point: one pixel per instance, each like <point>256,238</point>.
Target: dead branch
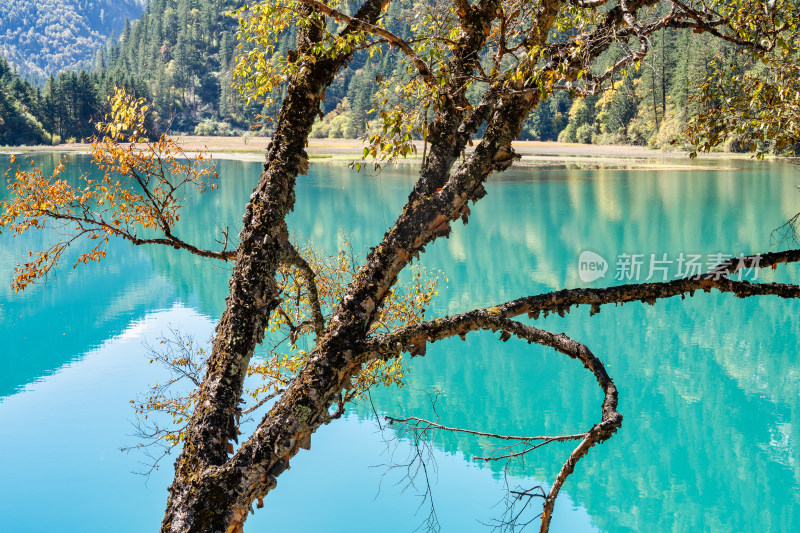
<point>414,338</point>
<point>428,424</point>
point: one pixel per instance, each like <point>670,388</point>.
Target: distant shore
<point>544,155</point>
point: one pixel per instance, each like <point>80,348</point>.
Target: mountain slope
<point>43,36</point>
<point>20,114</point>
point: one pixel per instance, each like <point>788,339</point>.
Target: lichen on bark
<point>213,489</point>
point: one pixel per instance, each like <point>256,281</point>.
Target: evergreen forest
<point>181,54</point>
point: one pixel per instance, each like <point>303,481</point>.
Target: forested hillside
<point>40,37</point>
<point>181,53</point>
<point>66,109</point>
<point>20,114</point>
<point>184,50</point>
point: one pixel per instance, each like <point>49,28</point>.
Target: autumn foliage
<point>135,191</point>
<point>289,338</point>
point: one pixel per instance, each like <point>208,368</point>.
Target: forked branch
<point>294,258</point>
<point>373,29</point>
<point>610,420</point>
<point>413,339</point>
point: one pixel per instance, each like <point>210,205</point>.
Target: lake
<point>708,385</point>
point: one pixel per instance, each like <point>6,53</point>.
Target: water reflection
<point>708,385</point>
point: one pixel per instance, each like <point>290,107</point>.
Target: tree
<point>21,114</point>
<point>751,102</point>
<point>513,55</point>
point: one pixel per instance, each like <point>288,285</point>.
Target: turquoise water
<point>708,386</point>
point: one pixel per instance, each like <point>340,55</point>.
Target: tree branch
<point>294,258</point>
<point>393,39</point>
<point>610,420</point>
<point>263,400</point>
<point>588,3</point>
<point>251,300</point>
<point>168,240</point>
<point>600,432</point>
<point>703,22</point>
<point>413,338</point>
<point>428,424</point>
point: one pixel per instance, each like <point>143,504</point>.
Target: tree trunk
<point>208,491</point>
<point>213,490</point>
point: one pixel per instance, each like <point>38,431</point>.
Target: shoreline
<point>535,154</point>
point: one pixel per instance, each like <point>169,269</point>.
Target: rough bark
<point>413,339</point>
<point>201,497</point>
<point>213,490</point>
<point>560,302</point>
